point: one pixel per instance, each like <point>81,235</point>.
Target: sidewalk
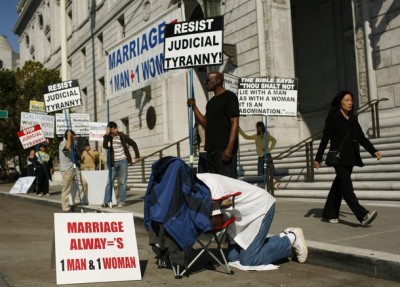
<point>373,251</point>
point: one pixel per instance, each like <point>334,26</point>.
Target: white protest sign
<point>79,124</point>
<point>22,185</point>
<point>62,96</point>
<point>95,247</point>
<point>273,96</point>
<point>231,83</point>
<point>137,61</point>
<point>97,131</point>
<point>46,122</point>
<point>31,136</point>
<point>194,43</point>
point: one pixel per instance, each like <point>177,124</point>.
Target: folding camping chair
<point>217,235</point>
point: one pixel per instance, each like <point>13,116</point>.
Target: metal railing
<point>308,142</point>
<point>160,155</point>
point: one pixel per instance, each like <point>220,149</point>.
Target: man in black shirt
<point>221,123</point>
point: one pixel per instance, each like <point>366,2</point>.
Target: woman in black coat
<point>339,122</point>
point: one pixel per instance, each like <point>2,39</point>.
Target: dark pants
<point>31,171</point>
<point>42,180</point>
<point>215,164</point>
<point>260,164</point>
<point>202,164</point>
<point>342,187</point>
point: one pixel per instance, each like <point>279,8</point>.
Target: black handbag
<point>333,156</point>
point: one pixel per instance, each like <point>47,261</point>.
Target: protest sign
<point>95,247</point>
<point>31,136</point>
<point>97,131</point>
<point>79,124</point>
<point>194,43</point>
<point>231,83</point>
<point>22,185</point>
<point>137,61</point>
<point>37,107</point>
<point>62,96</point>
<point>273,96</point>
<point>46,122</point>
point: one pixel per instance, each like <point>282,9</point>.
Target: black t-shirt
<point>219,111</point>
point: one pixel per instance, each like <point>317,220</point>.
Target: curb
<point>367,262</point>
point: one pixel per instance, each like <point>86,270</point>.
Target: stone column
<point>363,49</point>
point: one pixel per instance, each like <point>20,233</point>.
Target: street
<point>26,246</point>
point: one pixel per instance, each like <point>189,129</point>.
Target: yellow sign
<point>37,107</point>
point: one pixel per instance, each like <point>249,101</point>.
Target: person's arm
<point>199,116</point>
<point>232,138</point>
<point>106,139</point>
<point>133,144</point>
<point>365,143</point>
<point>271,142</point>
<point>68,142</point>
<point>327,134</point>
<point>246,136</point>
<point>216,214</point>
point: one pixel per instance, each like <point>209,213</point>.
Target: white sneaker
<point>299,245</point>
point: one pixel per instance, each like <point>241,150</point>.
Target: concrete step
<point>388,176</point>
<point>357,185</point>
<point>384,195</point>
<point>376,180</point>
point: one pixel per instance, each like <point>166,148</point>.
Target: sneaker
<point>47,194</point>
<point>299,245</point>
<point>334,220</point>
<point>104,205</point>
<point>121,204</point>
<point>369,218</point>
<point>40,194</point>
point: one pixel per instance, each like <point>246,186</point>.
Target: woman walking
<point>344,132</point>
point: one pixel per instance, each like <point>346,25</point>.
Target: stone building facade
<point>329,45</point>
<point>8,58</point>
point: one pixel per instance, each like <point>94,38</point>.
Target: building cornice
<point>29,8</point>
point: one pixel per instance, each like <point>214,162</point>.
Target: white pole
<point>261,38</point>
<point>63,52</point>
<point>63,42</point>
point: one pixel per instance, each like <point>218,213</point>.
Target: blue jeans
<point>120,170</point>
<point>262,250</point>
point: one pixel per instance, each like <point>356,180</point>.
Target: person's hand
<point>137,159</point>
<point>316,164</point>
<point>378,155</point>
<point>227,154</point>
<point>107,131</point>
<point>191,102</point>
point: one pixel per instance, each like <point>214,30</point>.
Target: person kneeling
<point>254,211</point>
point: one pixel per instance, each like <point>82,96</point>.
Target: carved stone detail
<point>359,44</point>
